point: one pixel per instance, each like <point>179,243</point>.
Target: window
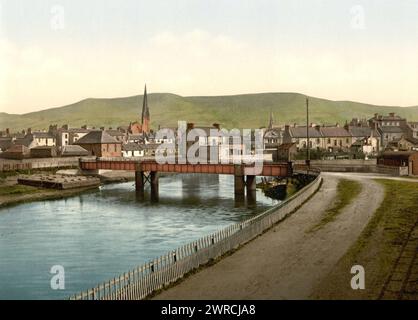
<point>329,141</point>
<point>317,141</point>
<point>335,142</point>
<point>346,140</point>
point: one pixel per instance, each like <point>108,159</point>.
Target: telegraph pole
<point>308,151</point>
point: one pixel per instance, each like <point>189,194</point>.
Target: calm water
<point>98,235</point>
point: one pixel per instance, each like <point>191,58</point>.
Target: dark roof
<point>26,141</point>
<point>17,149</point>
<point>387,118</point>
<point>132,147</point>
<point>391,129</point>
<point>335,132</point>
<point>97,137</point>
<point>74,150</point>
<point>42,135</point>
<point>5,143</point>
<point>360,131</point>
<point>300,132</point>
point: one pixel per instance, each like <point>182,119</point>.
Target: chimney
<point>65,127</point>
<point>375,115</point>
<point>217,126</point>
<point>7,132</point>
<point>294,125</point>
<point>29,130</point>
<point>392,114</point>
<point>102,128</point>
<point>84,127</point>
<point>318,127</point>
<point>190,126</point>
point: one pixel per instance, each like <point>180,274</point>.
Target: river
<point>105,232</point>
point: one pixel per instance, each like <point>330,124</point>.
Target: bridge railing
<point>144,280</point>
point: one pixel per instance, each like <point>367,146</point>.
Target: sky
<point>54,53</point>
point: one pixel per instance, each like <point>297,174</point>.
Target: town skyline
<point>358,50</point>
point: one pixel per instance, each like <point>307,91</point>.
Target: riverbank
<point>14,195</point>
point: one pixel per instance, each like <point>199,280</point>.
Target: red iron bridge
<point>148,170</point>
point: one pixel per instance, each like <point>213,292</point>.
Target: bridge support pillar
<point>251,186</point>
<point>239,182</point>
<point>139,181</point>
<point>154,185</point>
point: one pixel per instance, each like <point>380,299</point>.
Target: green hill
<point>240,111</point>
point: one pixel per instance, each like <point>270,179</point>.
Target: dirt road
<point>287,262</point>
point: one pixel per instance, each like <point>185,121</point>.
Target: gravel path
<point>287,262</point>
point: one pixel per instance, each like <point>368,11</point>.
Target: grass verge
<point>347,190</point>
<point>17,190</point>
<point>378,246</point>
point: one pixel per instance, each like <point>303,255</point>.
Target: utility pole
<point>308,151</point>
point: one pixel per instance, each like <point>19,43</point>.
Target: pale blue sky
<point>109,48</point>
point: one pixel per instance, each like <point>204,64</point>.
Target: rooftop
<point>97,137</point>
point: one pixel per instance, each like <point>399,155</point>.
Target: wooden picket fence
<point>144,280</point>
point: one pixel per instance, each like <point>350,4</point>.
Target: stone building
<point>365,139</point>
<point>100,144</point>
<point>391,128</point>
<point>298,135</point>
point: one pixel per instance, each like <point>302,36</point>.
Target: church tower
<point>145,114</point>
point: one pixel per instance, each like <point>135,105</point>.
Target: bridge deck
<point>282,169</point>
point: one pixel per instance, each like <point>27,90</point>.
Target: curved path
<point>287,262</point>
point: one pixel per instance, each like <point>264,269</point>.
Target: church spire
<point>271,120</point>
<point>145,113</point>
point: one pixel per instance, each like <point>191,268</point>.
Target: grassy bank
<point>379,245</point>
<point>17,190</point>
<point>347,190</point>
<point>19,196</point>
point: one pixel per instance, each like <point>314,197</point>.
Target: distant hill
<point>239,111</point>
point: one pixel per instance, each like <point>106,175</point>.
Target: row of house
<point>368,136</point>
